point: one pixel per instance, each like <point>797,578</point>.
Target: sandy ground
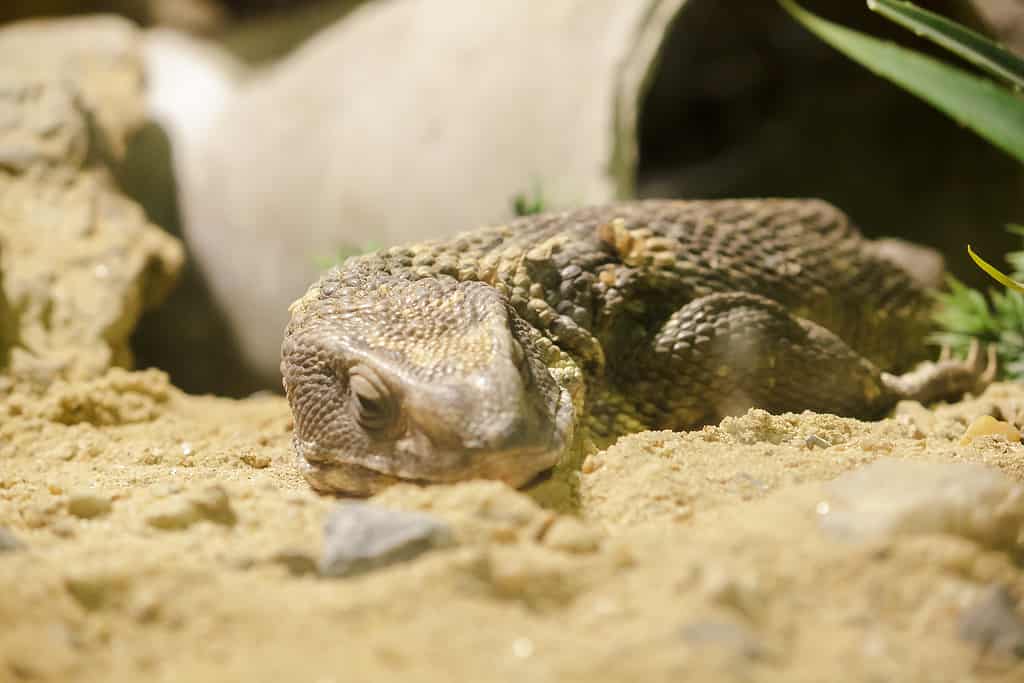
<point>154,536</point>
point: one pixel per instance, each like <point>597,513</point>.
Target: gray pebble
<point>814,440</point>
<point>993,622</point>
<point>733,637</point>
<point>9,542</point>
<point>361,537</point>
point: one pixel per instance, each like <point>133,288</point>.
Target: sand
<point>166,537</point>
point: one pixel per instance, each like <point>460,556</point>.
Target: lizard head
<point>434,380</point>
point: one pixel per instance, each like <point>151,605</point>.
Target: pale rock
<point>892,496</point>
<point>88,504</point>
<point>98,58</point>
<point>80,262</point>
<point>211,503</point>
<point>986,425</point>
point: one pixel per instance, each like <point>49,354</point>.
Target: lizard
<point>485,355</point>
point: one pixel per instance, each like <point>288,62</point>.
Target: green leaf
<point>957,38</point>
<point>994,113</point>
<point>964,311</point>
<point>529,205</point>
<point>995,273</point>
<point>1016,261</point>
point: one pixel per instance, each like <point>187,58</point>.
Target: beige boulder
<point>79,261</point>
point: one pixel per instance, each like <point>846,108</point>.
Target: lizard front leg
<point>724,353</point>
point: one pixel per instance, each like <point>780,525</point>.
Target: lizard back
<point>599,280</point>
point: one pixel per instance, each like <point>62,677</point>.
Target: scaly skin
<point>485,355</point>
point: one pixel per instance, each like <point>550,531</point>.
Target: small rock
<point>88,504</point>
<point>361,537</point>
<point>63,527</point>
<point>994,623</point>
<point>570,535</point>
<point>257,461</point>
<point>96,590</point>
<point>9,542</point>
<point>984,425</point>
<point>813,440</point>
<point>892,496</point>
<point>37,515</point>
<point>733,637</point>
<point>211,503</point>
<point>172,514</point>
<point>151,456</point>
<point>735,592</point>
<point>146,607</point>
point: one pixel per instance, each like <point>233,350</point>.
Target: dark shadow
<point>187,336</point>
<point>747,103</point>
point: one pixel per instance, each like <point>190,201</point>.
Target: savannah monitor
<point>483,356</point>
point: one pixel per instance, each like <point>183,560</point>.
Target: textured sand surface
<point>166,537</point>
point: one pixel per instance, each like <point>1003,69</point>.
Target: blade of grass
<point>957,38</point>
<point>993,113</point>
<point>994,272</point>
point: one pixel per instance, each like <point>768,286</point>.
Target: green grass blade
<point>957,38</point>
<point>992,112</point>
<point>994,272</point>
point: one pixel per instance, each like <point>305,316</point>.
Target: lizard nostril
<point>518,431</point>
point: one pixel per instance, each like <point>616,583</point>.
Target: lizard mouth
<point>335,475</point>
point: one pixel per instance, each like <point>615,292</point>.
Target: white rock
<point>892,496</point>
<point>406,120</point>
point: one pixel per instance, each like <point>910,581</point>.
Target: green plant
<point>325,261</point>
<point>965,314</point>
<point>527,205</point>
<point>993,111</point>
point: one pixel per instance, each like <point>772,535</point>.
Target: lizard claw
<point>945,353</point>
<point>986,367</point>
<point>947,378</point>
<point>973,353</point>
<point>991,366</point>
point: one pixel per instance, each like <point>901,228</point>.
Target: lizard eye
<point>371,400</point>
